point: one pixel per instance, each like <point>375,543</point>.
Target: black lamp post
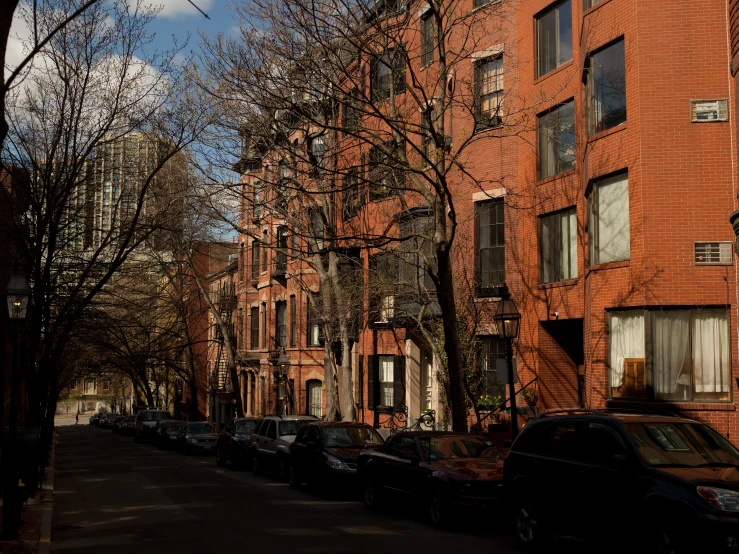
<point>17,294</point>
<point>507,318</point>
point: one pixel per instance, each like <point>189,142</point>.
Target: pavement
<point>113,496</point>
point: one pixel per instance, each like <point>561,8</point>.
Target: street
<point>113,495</point>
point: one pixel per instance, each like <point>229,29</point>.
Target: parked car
<point>199,436</point>
<point>146,421</point>
<point>668,483</point>
<point>271,442</point>
<point>168,433</point>
<point>443,470</point>
<point>234,442</point>
<point>106,420</point>
<point>325,454</point>
<point>94,419</point>
<point>130,428</point>
<point>119,424</point>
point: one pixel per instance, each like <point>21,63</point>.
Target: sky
<point>177,18</point>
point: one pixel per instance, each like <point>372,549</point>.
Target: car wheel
<point>293,477</point>
<point>283,468</point>
<point>256,464</point>
<point>529,529</point>
<point>372,494</point>
<point>437,509</point>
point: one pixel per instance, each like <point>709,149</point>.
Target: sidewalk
<point>35,529</point>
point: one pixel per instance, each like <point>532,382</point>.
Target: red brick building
<point>600,196</point>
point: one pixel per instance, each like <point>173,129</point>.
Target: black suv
<point>666,483</point>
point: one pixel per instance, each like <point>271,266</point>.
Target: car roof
<point>625,415</point>
<point>435,434</point>
<point>291,417</point>
<point>341,424</point>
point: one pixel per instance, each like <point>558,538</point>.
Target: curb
<point>44,542</point>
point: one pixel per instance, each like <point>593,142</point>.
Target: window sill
<point>559,284</point>
<point>559,69</point>
<point>607,133</point>
<point>562,175</point>
<point>611,265</point>
<point>593,8</point>
<point>482,129</point>
<point>718,406</point>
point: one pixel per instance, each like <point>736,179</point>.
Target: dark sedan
<point>200,436</point>
<point>119,424</point>
<point>168,433</point>
<point>325,454</point>
<point>234,443</point>
<point>442,470</point>
<point>130,428</point>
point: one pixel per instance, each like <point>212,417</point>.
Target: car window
<point>532,437</point>
<point>350,437</point>
<point>247,426</point>
<point>289,427</point>
<point>300,438</point>
<point>564,440</point>
<point>449,447</point>
<point>601,443</point>
<point>403,447</point>
<point>197,428</point>
<point>261,427</point>
<point>313,435</point>
<point>271,432</point>
<point>155,416</point>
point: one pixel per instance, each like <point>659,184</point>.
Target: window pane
<point>613,239</point>
<point>671,355</point>
<point>710,340</point>
<point>627,353</point>
<point>387,374</point>
<point>554,38</point>
<point>557,140</point>
<point>558,243</point>
<point>607,80</point>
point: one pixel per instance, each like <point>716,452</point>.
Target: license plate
<point>208,446</point>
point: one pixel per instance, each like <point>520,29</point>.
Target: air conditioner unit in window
<point>713,253</point>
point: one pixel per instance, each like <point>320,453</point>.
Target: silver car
<point>146,423</point>
<point>271,442</point>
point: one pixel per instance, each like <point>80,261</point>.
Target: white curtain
<point>387,375</point>
<point>627,341</point>
<point>613,219</point>
<point>569,245</point>
<point>671,354</point>
<point>711,351</point>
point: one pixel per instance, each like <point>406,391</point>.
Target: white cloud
<point>183,8</point>
<point>16,52</point>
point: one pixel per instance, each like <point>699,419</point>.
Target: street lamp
<point>507,319</point>
<point>17,294</point>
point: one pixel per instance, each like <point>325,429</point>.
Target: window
<point>90,387</point>
<point>386,171</point>
<point>690,357</point>
<point>258,201</point>
<point>265,242</point>
<point>254,322</point>
<point>490,246</point>
<point>317,230</point>
<point>489,92</point>
<point>383,284</point>
<point>255,260</point>
<point>315,333</point>
<point>587,4</point>
<point>264,325</point>
<point>317,148</point>
<point>428,144</point>
<point>608,228</point>
<point>480,3</point>
<point>315,399</point>
<point>713,253</point>
<point>415,252</point>
<point>427,37</point>
<point>492,349</point>
<point>281,324</point>
<point>242,262</point>
<point>387,380</point>
<point>350,113</point>
<point>351,198</point>
<point>702,111</point>
<point>557,140</point>
<point>606,88</point>
<point>403,447</point>
<point>554,38</point>
<point>106,384</point>
<point>558,246</point>
<point>386,69</point>
<point>281,257</point>
<point>293,322</point>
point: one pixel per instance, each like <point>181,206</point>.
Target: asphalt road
<point>115,496</point>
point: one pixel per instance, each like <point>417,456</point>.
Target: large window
<point>556,130</point>
<point>352,197</point>
<point>350,113</point>
<point>558,246</point>
<point>415,252</point>
<point>386,174</point>
<point>314,322</point>
<point>314,392</point>
<point>281,256</point>
<point>387,381</point>
<point>689,355</point>
<point>281,324</point>
<point>608,228</point>
<point>492,349</point>
<point>386,69</point>
<point>489,92</point>
<point>427,38</point>
<point>265,242</point>
<point>254,322</point>
<point>554,38</point>
<point>264,325</point>
<point>490,246</point>
<point>606,88</point>
<point>293,321</point>
<point>317,148</point>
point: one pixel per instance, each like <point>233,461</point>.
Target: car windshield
<point>668,444</point>
<point>289,427</point>
<point>348,437</point>
<point>245,426</point>
<point>196,428</point>
<point>156,416</point>
<point>443,448</point>
<point>175,426</point>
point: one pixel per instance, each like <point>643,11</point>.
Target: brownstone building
<point>605,214</point>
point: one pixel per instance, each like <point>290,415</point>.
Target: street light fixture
<point>17,293</point>
<point>507,318</point>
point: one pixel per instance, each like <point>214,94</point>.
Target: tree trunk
<point>452,345</point>
<point>346,391</point>
<point>329,377</point>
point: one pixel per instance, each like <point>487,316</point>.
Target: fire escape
<point>225,301</point>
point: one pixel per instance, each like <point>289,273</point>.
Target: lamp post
<point>507,318</point>
<point>17,294</point>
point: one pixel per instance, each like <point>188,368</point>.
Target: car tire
<point>530,528</point>
<point>256,464</point>
<point>293,477</point>
<point>438,509</point>
<point>373,493</point>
